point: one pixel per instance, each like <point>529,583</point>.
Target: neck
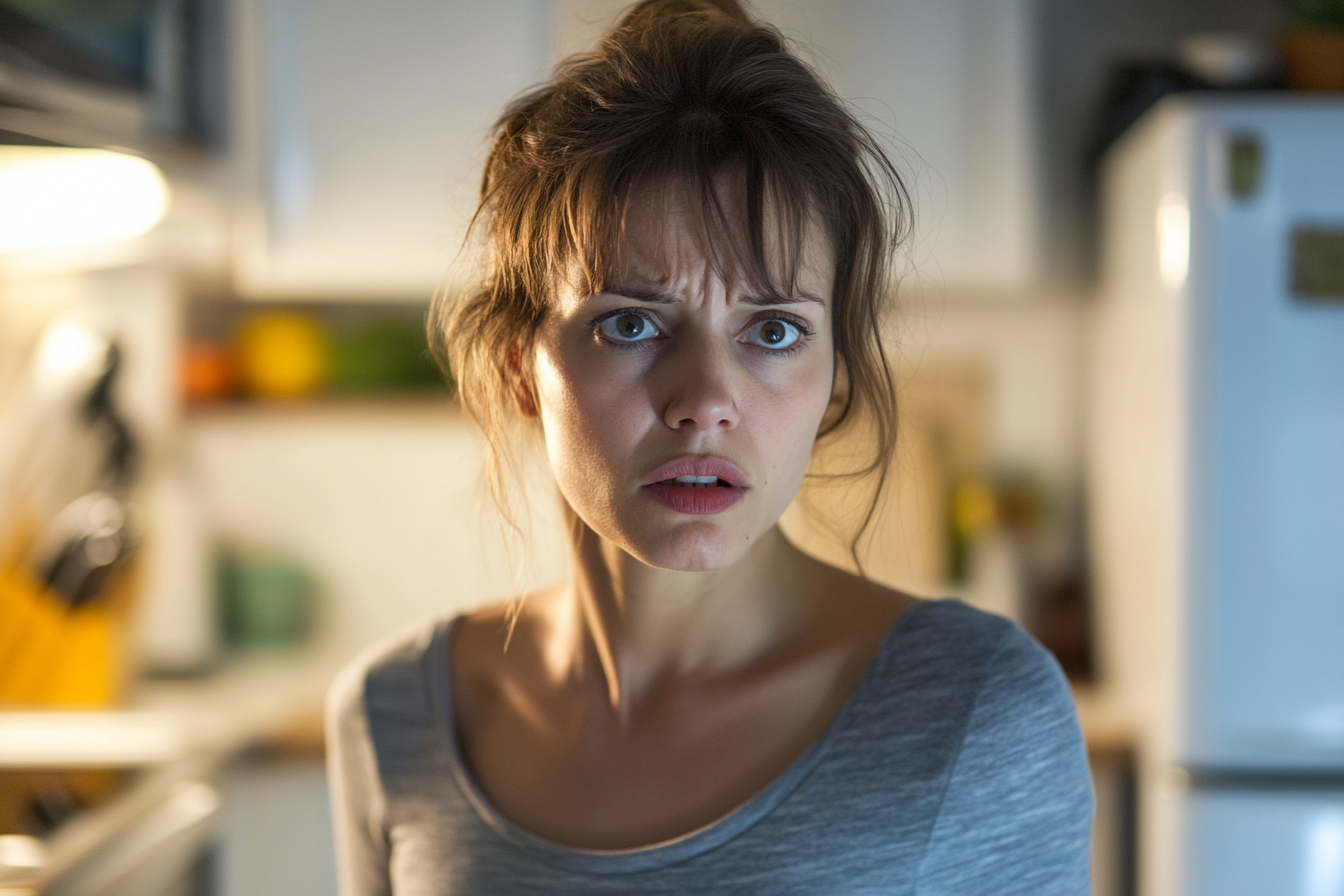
<point>633,628</point>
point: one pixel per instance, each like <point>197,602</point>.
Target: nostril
<point>718,420</point>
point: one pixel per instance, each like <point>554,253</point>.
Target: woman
<point>688,239</point>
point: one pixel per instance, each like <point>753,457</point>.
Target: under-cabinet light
<point>53,196</point>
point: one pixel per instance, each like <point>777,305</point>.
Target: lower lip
<point>699,500</point>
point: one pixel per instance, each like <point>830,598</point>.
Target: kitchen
<point>317,205</point>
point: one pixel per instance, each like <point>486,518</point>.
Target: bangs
<point>738,129</point>
<point>751,223</point>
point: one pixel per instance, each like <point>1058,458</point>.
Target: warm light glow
<point>1173,240</point>
<point>58,197</point>
<point>195,799</point>
<point>18,851</point>
<point>88,738</point>
<point>67,347</point>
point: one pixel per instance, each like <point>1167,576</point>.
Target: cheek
<point>589,411</point>
<point>785,421</point>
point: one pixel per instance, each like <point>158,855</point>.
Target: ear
<point>523,395</point>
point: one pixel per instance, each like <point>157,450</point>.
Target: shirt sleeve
<point>1016,817</point>
<point>357,801</point>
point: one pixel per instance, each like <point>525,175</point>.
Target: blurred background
<point>228,463</point>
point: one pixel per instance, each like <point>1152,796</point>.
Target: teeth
<point>697,480</point>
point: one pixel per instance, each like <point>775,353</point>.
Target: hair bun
<point>640,13</point>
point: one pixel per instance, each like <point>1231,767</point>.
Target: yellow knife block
<point>54,656</point>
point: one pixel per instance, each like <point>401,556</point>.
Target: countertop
<point>248,700</point>
<point>173,738</point>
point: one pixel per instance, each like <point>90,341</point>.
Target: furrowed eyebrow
<point>776,298</point>
<point>657,297</point>
<point>642,293</point>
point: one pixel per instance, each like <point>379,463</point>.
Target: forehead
<point>673,229</point>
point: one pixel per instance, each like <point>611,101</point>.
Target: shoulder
<point>940,656</point>
<point>1018,802</point>
<point>952,687</point>
<point>1013,689</point>
<point>379,714</point>
<point>1020,694</point>
<point>1017,673</point>
<point>951,625</point>
<point>390,681</point>
<point>957,647</point>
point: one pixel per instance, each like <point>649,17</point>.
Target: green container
<point>267,600</point>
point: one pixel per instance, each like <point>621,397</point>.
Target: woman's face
<point>680,405</point>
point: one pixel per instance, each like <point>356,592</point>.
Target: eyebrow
<point>658,297</point>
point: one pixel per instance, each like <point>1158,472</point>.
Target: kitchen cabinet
<point>362,128</point>
<point>274,835</point>
<point>948,87</point>
<point>359,133</point>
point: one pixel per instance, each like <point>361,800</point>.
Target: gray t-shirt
<point>955,768</point>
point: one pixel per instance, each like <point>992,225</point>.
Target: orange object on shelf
<point>282,356</point>
<point>208,371</point>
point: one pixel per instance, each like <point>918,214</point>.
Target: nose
<point>698,386</point>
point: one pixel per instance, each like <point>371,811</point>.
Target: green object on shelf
<point>386,354</point>
<point>267,599</point>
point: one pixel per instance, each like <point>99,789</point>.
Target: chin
<point>693,547</point>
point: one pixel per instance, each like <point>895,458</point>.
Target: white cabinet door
<point>365,126</point>
<point>949,87</point>
<point>274,833</point>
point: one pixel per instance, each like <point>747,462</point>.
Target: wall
<point>385,503</point>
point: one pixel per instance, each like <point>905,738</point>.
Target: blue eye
<point>627,327</point>
<point>775,333</point>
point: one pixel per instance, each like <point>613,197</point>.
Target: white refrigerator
<point>1216,488</point>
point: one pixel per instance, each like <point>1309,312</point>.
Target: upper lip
<point>699,465</point>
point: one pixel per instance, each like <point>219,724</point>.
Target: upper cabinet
<point>363,127</point>
<point>948,86</point>
<point>360,133</point>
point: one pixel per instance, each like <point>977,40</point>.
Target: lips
<point>697,497</point>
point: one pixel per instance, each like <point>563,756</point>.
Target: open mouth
<point>698,491</point>
<point>697,482</point>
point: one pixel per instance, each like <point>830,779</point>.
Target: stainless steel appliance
<point>153,836</point>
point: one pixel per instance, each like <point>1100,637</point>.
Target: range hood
<point>162,94</point>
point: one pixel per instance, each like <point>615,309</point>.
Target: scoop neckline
<point>666,852</point>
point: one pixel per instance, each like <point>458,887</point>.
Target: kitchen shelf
<point>438,404</point>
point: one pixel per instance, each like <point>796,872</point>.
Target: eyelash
<point>805,332</point>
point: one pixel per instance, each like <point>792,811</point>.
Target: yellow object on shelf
<point>54,655</point>
<point>973,508</point>
<point>282,356</point>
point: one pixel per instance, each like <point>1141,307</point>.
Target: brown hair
<point>680,91</point>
